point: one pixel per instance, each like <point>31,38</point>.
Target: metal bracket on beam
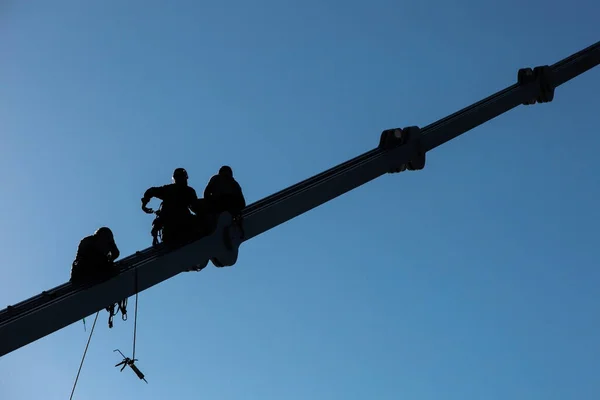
<point>543,78</point>
<point>409,136</point>
<point>232,235</point>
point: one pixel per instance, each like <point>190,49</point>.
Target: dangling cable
<point>84,354</point>
<point>135,314</point>
<point>126,360</point>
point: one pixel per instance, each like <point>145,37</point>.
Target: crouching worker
<point>95,257</point>
<point>223,193</point>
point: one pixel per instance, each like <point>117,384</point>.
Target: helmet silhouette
<point>104,233</point>
<point>226,170</point>
<point>180,175</point>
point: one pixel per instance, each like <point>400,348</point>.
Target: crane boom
<point>398,150</point>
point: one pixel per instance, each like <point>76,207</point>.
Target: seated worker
<point>223,193</point>
<point>95,257</point>
<point>177,198</point>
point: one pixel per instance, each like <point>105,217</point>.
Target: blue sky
<point>475,278</point>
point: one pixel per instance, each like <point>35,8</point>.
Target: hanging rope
<point>126,360</point>
<point>84,354</point>
<point>135,318</point>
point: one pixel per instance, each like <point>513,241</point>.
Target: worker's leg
<point>204,221</point>
<point>177,230</point>
<point>157,226</point>
<point>232,204</point>
<point>82,272</point>
<point>77,273</point>
<point>200,207</point>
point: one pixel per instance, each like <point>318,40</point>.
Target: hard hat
<point>104,232</point>
<point>180,173</point>
<point>226,170</point>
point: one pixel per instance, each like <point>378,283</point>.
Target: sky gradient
<point>476,278</point>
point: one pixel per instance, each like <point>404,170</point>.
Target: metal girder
<point>399,149</point>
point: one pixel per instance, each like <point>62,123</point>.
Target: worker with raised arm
<point>223,193</point>
<point>95,257</point>
<point>177,198</point>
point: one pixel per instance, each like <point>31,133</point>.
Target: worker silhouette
<point>174,217</point>
<point>95,257</point>
<point>223,193</point>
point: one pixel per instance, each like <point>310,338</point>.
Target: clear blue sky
<point>476,278</point>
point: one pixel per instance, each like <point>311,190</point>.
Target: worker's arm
<point>241,195</point>
<point>210,187</point>
<point>85,248</point>
<point>192,198</point>
<point>158,192</point>
<point>114,251</point>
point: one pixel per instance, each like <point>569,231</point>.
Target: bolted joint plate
<point>229,235</point>
<point>407,137</point>
<point>391,138</point>
<point>543,84</point>
<point>221,247</point>
<point>413,140</point>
